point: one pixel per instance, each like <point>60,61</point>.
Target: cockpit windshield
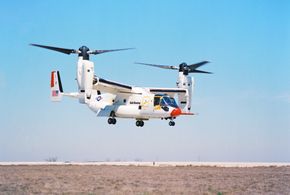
<point>165,100</point>
<point>173,103</point>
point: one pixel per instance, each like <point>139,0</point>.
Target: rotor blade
<point>62,50</point>
<point>108,50</point>
<point>200,71</point>
<point>158,66</point>
<point>196,65</point>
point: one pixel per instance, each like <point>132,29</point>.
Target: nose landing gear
<point>171,123</point>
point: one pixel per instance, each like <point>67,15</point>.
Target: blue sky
<point>244,107</point>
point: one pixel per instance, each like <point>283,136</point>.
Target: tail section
<point>56,90</point>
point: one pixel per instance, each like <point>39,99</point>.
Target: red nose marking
<point>176,112</point>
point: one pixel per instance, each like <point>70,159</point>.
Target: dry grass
<point>90,179</point>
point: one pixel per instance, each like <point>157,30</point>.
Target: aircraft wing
<point>104,85</point>
<point>170,91</point>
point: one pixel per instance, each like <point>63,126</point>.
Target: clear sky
<point>244,107</point>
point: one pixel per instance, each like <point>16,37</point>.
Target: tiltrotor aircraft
<point>116,100</point>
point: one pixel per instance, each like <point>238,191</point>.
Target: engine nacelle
<point>185,82</point>
<point>85,77</point>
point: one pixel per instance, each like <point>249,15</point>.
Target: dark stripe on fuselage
<point>115,84</point>
<point>130,93</point>
<point>168,90</point>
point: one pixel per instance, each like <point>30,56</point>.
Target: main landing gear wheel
<point>171,123</point>
<point>112,121</point>
<point>139,123</point>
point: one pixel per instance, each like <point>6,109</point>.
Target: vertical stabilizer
<point>56,90</point>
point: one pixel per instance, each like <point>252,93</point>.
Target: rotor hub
<point>183,67</point>
<point>84,52</point>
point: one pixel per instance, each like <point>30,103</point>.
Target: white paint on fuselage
<point>139,104</point>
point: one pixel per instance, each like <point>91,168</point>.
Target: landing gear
<point>112,121</point>
<point>139,123</point>
<point>171,123</point>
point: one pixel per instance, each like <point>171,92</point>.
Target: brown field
<point>106,179</point>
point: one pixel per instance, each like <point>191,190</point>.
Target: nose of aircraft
<point>175,112</point>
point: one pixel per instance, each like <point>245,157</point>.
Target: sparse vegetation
<point>51,159</point>
<point>105,179</point>
<point>138,160</point>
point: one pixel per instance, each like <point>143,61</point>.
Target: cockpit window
<point>165,101</point>
<point>173,102</point>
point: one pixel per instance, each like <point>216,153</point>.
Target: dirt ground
<point>105,179</point>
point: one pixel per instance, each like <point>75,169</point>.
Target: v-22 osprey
<point>114,100</point>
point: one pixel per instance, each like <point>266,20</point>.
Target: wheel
<point>141,123</point>
<point>171,123</point>
<point>114,121</point>
<point>110,120</point>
